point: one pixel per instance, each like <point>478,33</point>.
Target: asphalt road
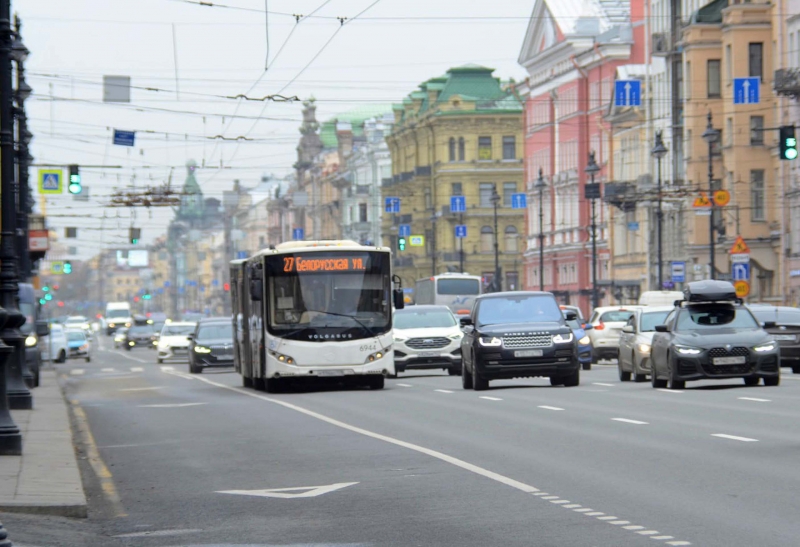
<point>425,463</point>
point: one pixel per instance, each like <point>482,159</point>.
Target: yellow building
<point>457,135</point>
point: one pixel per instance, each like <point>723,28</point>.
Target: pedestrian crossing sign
<point>51,181</point>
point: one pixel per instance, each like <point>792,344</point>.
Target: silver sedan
<point>636,341</point>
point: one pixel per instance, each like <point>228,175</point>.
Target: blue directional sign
<point>519,201</point>
<point>392,205</point>
<point>740,271</point>
<point>461,231</point>
<point>124,138</point>
<point>628,93</point>
<point>298,234</point>
<point>633,226</point>
<point>678,272</point>
<point>404,230</point>
<point>747,90</point>
<point>458,204</point>
<point>241,254</point>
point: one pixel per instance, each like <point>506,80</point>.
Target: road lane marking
<point>621,522</point>
<point>159,533</point>
<point>456,462</point>
<point>594,514</point>
<point>173,405</point>
<point>550,498</point>
<point>540,494</point>
<point>647,532</point>
<point>559,502</point>
<point>662,537</point>
<point>734,438</point>
<point>670,390</point>
<point>166,368</point>
<point>137,369</point>
<point>131,357</point>
<point>678,543</point>
<point>756,399</point>
<point>443,391</point>
<point>404,385</point>
<point>291,493</point>
<point>490,398</point>
<point>601,384</point>
<point>627,421</point>
<point>107,369</point>
<point>583,510</point>
<point>550,407</point>
<point>142,388</point>
<point>77,371</point>
<point>573,506</point>
<point>607,518</point>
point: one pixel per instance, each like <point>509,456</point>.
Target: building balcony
<point>787,82</point>
<point>620,195</point>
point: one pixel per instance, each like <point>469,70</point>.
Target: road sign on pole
<point>741,271</point>
<point>51,181</point>
<point>461,231</point>
<point>740,246</point>
<point>416,241</point>
<point>124,138</point>
<point>458,204</point>
<point>519,201</point>
<point>392,205</point>
<point>404,230</point>
<point>747,90</point>
<point>628,93</point>
<point>742,288</point>
<point>678,270</point>
<point>298,234</point>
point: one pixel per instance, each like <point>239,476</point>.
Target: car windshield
<point>423,319</point>
<point>616,316</point>
<point>519,309</point>
<point>177,330</point>
<point>117,314</point>
<point>215,332</point>
<point>780,316</point>
<point>73,336</point>
<point>140,330</point>
<point>650,320</point>
<point>709,317</point>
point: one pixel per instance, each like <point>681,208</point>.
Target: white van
<point>118,314</point>
<point>659,298</point>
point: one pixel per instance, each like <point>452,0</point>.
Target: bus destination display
<point>310,264</point>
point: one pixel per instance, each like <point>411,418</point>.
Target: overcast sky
<point>194,56</point>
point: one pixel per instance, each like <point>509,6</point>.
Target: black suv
<point>711,335</point>
<point>518,335</point>
<point>211,344</point>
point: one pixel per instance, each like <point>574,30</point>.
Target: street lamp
<point>540,186</point>
<point>593,193</point>
<point>433,242</point>
<point>710,135</point>
<point>498,284</point>
<point>658,152</point>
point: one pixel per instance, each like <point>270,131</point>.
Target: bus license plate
<point>738,360</point>
<point>330,373</point>
<point>529,353</point>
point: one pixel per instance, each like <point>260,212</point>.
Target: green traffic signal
<point>67,267</point>
<point>48,296</point>
<point>146,296</point>
<point>42,301</point>
<point>401,243</point>
<point>74,180</point>
<point>787,142</point>
<point>45,288</point>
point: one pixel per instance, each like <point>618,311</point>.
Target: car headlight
<point>112,324</point>
<point>494,341</point>
<point>688,351</point>
<point>769,346</point>
<point>289,360</point>
<point>563,338</point>
<point>84,347</point>
<point>131,343</point>
<point>127,324</point>
<point>31,340</point>
<point>644,348</point>
<point>585,341</point>
<point>202,349</point>
<point>86,326</point>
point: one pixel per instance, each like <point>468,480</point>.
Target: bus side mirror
<point>256,292</point>
<point>42,328</point>
<point>398,300</point>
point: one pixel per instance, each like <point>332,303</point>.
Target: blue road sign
<point>628,93</point>
<point>461,231</point>
<point>519,201</point>
<point>458,204</point>
<point>740,271</point>
<point>404,230</point>
<point>633,226</point>
<point>298,234</point>
<point>241,254</point>
<point>678,270</point>
<point>392,205</point>
<point>124,138</point>
<point>747,90</point>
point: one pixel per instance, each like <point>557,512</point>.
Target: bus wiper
<point>354,318</point>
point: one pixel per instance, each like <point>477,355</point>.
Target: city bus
<point>312,309</point>
<point>457,291</point>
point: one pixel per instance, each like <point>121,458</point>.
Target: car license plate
<point>224,357</point>
<point>429,354</point>
<point>738,360</point>
<point>784,337</point>
<point>529,353</point>
<point>330,373</point>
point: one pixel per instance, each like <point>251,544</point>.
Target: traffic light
<point>67,267</point>
<point>48,296</point>
<point>45,288</point>
<point>146,296</point>
<point>226,286</point>
<point>134,234</point>
<point>401,243</point>
<point>788,142</point>
<point>74,180</point>
<point>42,301</point>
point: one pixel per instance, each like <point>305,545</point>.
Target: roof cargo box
<point>709,291</point>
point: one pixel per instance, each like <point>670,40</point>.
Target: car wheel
<point>375,382</point>
<point>677,384</point>
<point>479,383</point>
<point>556,381</point>
<point>159,360</point>
<point>573,379</point>
<point>466,378</point>
<point>751,380</point>
<point>624,375</point>
<point>772,381</point>
<point>88,359</point>
<point>654,380</point>
<point>62,356</point>
<point>36,379</point>
<point>127,348</point>
<point>194,369</point>
<point>639,378</point>
<point>259,384</point>
<point>454,371</point>
<point>587,366</point>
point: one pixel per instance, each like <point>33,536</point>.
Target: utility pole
<point>591,169</point>
<point>710,135</point>
<point>658,152</point>
<point>497,282</point>
<point>540,185</point>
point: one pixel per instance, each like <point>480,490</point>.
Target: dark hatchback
<point>711,335</point>
<point>518,335</point>
<point>138,336</point>
<point>211,345</point>
<point>783,323</point>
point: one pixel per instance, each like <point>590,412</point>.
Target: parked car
<point>119,336</point>
<point>173,343</point>
<point>784,326</point>
<point>138,336</point>
<point>636,341</point>
<point>516,335</point>
<point>607,323</point>
<point>711,335</point>
<point>79,345</point>
<point>211,344</point>
<point>54,346</point>
<point>427,337</point>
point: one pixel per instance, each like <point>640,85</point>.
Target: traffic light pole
<point>461,245</point>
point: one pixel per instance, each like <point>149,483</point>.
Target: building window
<point>512,281</point>
<point>452,149</point>
<point>461,149</point>
<point>756,59</point>
<point>485,193</point>
<point>509,189</point>
<point>729,131</point>
<point>509,148</point>
<point>756,130</point>
<point>728,63</point>
<point>487,239</point>
<point>757,194</point>
<point>713,78</point>
<point>456,189</point>
<point>484,148</point>
<point>512,239</point>
<point>362,212</point>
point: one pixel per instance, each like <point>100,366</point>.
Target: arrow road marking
<point>291,493</point>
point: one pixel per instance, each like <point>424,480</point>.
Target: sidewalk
<point>46,478</point>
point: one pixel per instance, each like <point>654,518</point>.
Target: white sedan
<point>636,341</point>
<point>173,343</point>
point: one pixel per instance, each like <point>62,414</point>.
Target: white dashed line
<point>670,390</point>
<point>594,514</point>
<point>550,497</point>
<point>627,421</point>
<point>662,537</point>
<point>404,385</point>
<point>137,369</point>
<point>559,502</point>
<point>678,543</point>
<point>583,510</point>
<point>647,532</point>
<point>443,391</point>
<point>167,368</point>
<point>142,388</point>
<point>550,407</point>
<point>607,518</point>
<point>734,438</point>
<point>106,370</point>
<point>600,384</point>
<point>490,398</point>
<point>77,371</point>
<point>175,405</point>
<point>756,399</point>
<point>621,522</point>
<point>573,506</point>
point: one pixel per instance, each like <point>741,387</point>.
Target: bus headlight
<point>283,358</point>
<point>31,340</point>
<point>201,349</point>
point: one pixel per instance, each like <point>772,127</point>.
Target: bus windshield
<point>459,286</point>
<point>329,295</point>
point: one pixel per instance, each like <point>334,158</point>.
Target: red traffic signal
<point>60,304</point>
<point>226,286</point>
<point>135,298</point>
<point>55,287</point>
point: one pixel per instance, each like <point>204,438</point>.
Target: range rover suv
<point>518,335</point>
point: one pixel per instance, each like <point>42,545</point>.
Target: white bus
<point>457,291</point>
<point>315,309</point>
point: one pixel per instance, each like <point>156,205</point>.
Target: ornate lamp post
<point>497,282</point>
<point>591,169</point>
<point>658,152</point>
<point>540,186</point>
<point>710,135</point>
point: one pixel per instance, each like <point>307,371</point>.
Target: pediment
<point>542,34</point>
